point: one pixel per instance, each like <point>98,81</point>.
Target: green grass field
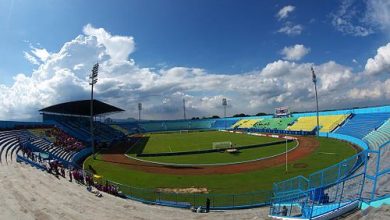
<point>173,142</point>
<point>228,183</point>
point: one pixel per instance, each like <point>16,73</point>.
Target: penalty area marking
<point>215,164</point>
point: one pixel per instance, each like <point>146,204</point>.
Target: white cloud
<point>42,54</point>
<point>30,58</point>
<point>380,63</point>
<point>63,76</point>
<point>117,47</point>
<point>378,14</point>
<point>362,18</point>
<point>296,52</point>
<point>291,29</point>
<point>285,11</point>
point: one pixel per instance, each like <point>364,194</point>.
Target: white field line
<point>215,164</point>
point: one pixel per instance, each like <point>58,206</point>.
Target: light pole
<point>93,80</point>
<point>139,111</point>
<point>224,104</point>
<point>315,87</point>
<point>184,108</point>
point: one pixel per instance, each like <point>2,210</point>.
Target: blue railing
<point>319,201</point>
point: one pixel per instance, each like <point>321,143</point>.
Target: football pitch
<point>227,183</point>
<point>156,143</point>
<point>176,142</point>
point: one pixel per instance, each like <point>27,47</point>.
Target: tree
<point>215,116</point>
<point>240,115</point>
<point>261,114</point>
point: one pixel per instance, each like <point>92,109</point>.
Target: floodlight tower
<point>315,87</point>
<point>93,80</point>
<point>139,111</point>
<point>184,109</point>
<point>224,104</point>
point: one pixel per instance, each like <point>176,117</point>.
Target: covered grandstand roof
<point>81,108</point>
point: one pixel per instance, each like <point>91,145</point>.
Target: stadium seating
<point>9,144</point>
<point>127,128</point>
<point>153,126</point>
<point>327,123</point>
<point>362,124</point>
<point>200,124</point>
<point>378,137</point>
<point>79,127</point>
<point>224,123</point>
<point>330,122</point>
<point>245,123</point>
<point>275,123</point>
<point>175,125</point>
<point>47,147</point>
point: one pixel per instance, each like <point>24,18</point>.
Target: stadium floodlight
<point>184,109</point>
<point>315,87</point>
<point>139,111</point>
<point>93,80</point>
<point>224,104</point>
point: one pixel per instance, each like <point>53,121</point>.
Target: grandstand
<point>275,123</point>
<point>9,144</point>
<point>224,123</point>
<point>359,125</point>
<point>73,118</point>
<point>379,136</point>
<point>327,123</point>
<point>245,123</point>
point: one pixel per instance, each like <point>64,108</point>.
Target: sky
<point>256,54</point>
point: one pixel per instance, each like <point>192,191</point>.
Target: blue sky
<point>219,38</point>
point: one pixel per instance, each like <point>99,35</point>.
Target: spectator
<point>284,211</point>
<point>207,205</point>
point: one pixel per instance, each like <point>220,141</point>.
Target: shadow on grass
<point>138,164</point>
<point>134,145</point>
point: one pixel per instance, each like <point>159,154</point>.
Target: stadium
<point>279,161</point>
<point>175,109</point>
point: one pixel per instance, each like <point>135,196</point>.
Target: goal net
<point>224,144</point>
<point>184,131</point>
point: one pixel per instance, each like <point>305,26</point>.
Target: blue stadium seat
<point>362,124</point>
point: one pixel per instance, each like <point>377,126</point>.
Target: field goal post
<point>222,144</point>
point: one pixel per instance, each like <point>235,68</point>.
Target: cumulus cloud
<point>296,52</point>
<point>63,76</point>
<point>117,47</point>
<point>378,14</point>
<point>42,54</point>
<point>32,59</point>
<point>361,19</point>
<point>285,11</point>
<point>380,63</point>
<point>291,29</point>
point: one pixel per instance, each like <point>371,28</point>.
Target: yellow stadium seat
<point>327,123</point>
